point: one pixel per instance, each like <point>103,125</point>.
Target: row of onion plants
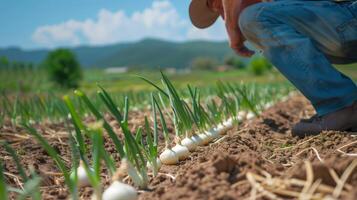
<point>49,107</point>
<point>196,121</point>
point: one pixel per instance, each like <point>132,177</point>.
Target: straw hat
<point>201,15</point>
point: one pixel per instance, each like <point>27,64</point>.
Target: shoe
<point>341,120</point>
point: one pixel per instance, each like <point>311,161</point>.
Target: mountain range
<point>150,53</point>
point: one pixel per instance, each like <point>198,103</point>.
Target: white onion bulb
<point>228,124</point>
<point>189,144</point>
<point>195,138</point>
<point>241,115</point>
<point>268,105</point>
<point>250,115</point>
<point>181,151</point>
<point>220,128</point>
<point>285,98</point>
<point>150,166</point>
<point>212,133</point>
<point>169,157</point>
<point>205,139</point>
<point>82,177</point>
<point>120,191</point>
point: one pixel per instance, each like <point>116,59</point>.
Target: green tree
<point>235,62</point>
<point>4,62</point>
<point>63,68</point>
<point>203,63</point>
<point>259,65</point>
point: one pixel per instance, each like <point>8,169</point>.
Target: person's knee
<point>248,20</point>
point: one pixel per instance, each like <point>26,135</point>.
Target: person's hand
<point>236,42</point>
<point>244,51</point>
<point>230,12</point>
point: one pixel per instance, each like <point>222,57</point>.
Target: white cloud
<point>161,20</point>
<point>61,33</point>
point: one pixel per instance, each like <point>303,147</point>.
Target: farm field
<point>177,100</point>
<point>230,141</point>
<point>35,81</point>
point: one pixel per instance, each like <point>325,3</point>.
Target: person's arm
<point>232,9</point>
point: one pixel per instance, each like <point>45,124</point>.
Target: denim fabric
<point>302,39</point>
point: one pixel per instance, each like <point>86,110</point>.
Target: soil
<point>262,147</point>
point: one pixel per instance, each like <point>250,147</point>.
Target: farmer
<point>302,39</point>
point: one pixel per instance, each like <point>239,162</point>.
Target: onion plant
<point>214,110</point>
<point>186,119</point>
<point>229,102</point>
<point>119,190</point>
<point>181,116</point>
<point>79,139</point>
<point>31,184</point>
<point>150,147</point>
<point>199,114</point>
<point>96,135</point>
<point>3,186</point>
<point>84,173</point>
<point>54,155</point>
<point>118,144</point>
<point>168,156</point>
<point>132,150</point>
<point>30,188</point>
<point>201,118</point>
<point>2,118</point>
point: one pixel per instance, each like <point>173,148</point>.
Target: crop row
<point>196,120</point>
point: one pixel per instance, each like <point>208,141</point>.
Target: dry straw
<point>278,188</point>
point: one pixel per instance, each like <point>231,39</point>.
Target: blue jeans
<point>302,39</point>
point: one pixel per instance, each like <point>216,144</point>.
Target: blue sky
<point>33,24</point>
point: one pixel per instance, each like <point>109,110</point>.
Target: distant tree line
<point>5,63</point>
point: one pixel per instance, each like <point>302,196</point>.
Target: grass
<point>128,82</point>
<point>35,81</point>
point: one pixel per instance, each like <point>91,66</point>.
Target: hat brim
<point>201,15</point>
